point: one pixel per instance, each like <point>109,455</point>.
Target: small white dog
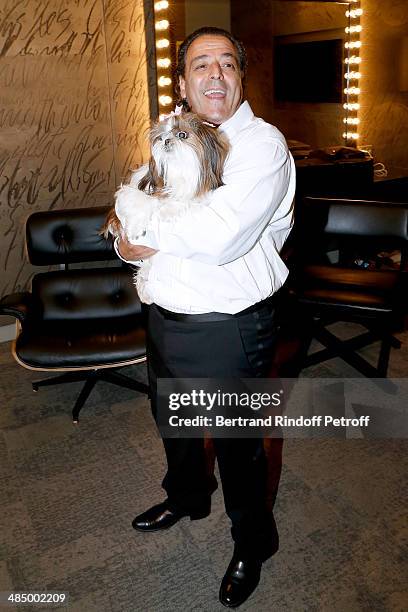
<point>187,163</point>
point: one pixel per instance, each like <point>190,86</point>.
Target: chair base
<point>91,377</point>
<point>345,349</point>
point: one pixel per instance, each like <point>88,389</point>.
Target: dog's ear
<point>151,182</point>
<point>219,152</point>
<point>216,151</point>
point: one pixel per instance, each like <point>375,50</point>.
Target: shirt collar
<point>242,116</point>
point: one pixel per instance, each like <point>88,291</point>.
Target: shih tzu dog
<point>186,164</point>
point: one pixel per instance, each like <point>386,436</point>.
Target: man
<point>214,280</point>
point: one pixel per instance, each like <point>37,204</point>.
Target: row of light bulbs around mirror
<point>163,63</point>
<point>352,75</point>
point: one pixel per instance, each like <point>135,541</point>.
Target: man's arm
<point>259,181</point>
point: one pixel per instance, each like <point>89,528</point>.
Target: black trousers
<point>237,347</point>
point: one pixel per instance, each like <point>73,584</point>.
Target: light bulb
<point>353,29</point>
<point>165,100</point>
<point>350,135</point>
<point>164,81</point>
<point>163,62</point>
<point>354,91</point>
<point>354,13</point>
<point>162,25</point>
<point>162,5</point>
<point>354,59</point>
<point>162,43</point>
<point>352,75</point>
<point>356,44</point>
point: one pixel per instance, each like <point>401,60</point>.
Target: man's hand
<point>132,252</point>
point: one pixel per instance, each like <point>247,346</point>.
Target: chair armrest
<point>18,305</point>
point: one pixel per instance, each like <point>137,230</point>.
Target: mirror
<point>295,54</point>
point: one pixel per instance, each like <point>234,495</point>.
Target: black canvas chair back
<point>83,319</point>
<point>351,265</point>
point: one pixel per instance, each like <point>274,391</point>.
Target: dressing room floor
<point>69,494</point>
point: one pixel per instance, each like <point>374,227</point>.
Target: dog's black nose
<point>167,142</point>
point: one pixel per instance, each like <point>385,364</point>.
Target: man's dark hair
<point>181,58</point>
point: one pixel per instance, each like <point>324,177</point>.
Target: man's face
<point>212,78</point>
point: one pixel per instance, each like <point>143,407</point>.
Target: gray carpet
<point>70,493</point>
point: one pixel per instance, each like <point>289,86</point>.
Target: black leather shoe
<point>240,580</point>
<point>161,517</point>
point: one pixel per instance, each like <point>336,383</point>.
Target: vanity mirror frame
<point>351,64</point>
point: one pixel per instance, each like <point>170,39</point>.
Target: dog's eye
<point>182,135</point>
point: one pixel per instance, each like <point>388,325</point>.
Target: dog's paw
<point>130,201</point>
<point>136,227</point>
<point>134,237</point>
<point>134,209</point>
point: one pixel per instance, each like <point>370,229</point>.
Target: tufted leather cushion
<point>68,236</point>
<point>82,344</point>
<point>89,317</point>
<point>95,293</point>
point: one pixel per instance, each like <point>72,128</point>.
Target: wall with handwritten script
<point>74,109</point>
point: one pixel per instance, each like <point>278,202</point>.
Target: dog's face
<point>166,136</point>
<point>188,156</point>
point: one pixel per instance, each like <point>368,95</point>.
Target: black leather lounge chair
<point>339,275</point>
<point>83,322</point>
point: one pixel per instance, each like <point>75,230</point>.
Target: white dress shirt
<point>224,257</point>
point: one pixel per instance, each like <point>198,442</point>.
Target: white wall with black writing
<point>74,109</point>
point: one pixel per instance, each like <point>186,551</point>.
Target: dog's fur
<point>187,163</point>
